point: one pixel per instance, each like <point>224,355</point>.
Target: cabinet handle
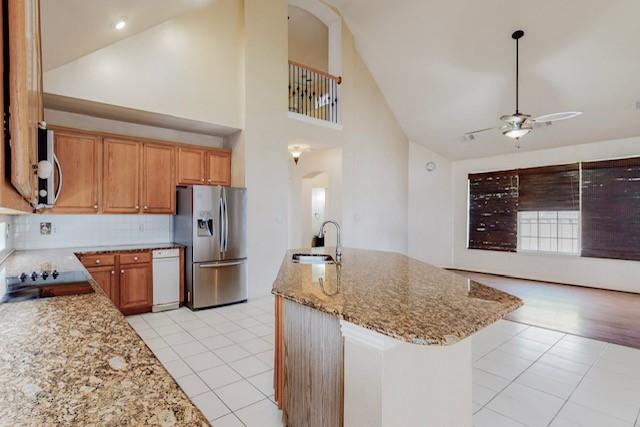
<point>121,271</point>
<point>137,207</point>
<point>113,272</point>
<point>135,258</point>
<point>146,207</point>
<point>95,206</point>
<point>202,180</point>
<point>97,261</point>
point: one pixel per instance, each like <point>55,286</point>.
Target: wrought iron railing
<point>313,93</point>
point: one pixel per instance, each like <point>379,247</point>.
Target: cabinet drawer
<point>98,260</point>
<point>135,258</point>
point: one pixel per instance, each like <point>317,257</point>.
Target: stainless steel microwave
<point>48,166</point>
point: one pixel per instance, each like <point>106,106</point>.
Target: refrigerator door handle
<point>221,264</point>
<point>226,222</point>
<point>221,223</point>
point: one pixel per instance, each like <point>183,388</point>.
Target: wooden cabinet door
<point>108,281</point>
<point>191,164</point>
<point>158,180</point>
<point>25,92</point>
<point>218,168</point>
<point>79,156</point>
<point>9,196</point>
<point>121,176</point>
<point>136,292</point>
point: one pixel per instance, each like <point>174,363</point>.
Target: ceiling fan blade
<point>537,125</point>
<point>478,131</point>
<point>556,117</point>
<point>470,136</point>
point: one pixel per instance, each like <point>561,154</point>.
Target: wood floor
<point>592,313</point>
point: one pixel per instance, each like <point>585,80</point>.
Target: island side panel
<point>278,372</point>
<point>313,367</point>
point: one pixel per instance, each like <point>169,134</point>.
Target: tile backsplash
<point>6,235</point>
<point>90,230</point>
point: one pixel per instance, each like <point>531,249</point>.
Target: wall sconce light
<point>297,150</point>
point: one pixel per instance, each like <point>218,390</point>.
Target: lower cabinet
<point>126,278</point>
<point>108,281</point>
<point>136,292</point>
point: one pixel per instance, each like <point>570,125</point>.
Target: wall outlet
<point>45,228</point>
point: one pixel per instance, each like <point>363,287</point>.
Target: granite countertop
<point>64,259</point>
<point>394,295</point>
<point>75,360</point>
<point>126,248</point>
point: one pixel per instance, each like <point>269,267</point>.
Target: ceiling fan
<point>518,125</point>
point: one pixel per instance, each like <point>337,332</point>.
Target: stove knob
<point>55,274</point>
<point>34,276</point>
<point>45,275</point>
<point>23,277</point>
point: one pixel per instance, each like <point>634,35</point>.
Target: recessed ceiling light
<point>120,24</point>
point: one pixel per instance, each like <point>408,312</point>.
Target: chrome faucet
<point>338,245</point>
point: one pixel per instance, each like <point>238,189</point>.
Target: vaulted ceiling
<point>74,28</point>
<point>447,67</point>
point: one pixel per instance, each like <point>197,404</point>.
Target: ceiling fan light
<point>515,133</point>
<point>517,130</point>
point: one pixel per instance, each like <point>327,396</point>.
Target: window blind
<point>611,209</point>
<point>549,188</point>
<point>493,210</point>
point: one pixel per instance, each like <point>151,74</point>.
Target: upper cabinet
<point>191,166</point>
<point>203,166</point>
<point>25,92</point>
<point>9,197</point>
<point>121,176</point>
<point>106,173</point>
<point>219,168</point>
<point>158,179</point>
<point>21,102</point>
<point>79,155</point>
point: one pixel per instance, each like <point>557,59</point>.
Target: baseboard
<point>509,276</point>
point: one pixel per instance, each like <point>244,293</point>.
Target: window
<point>493,205</point>
<point>549,231</point>
<point>611,209</point>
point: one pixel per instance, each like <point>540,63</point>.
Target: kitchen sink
<point>313,259</point>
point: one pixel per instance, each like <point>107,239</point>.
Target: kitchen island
<point>378,340</point>
<point>74,360</point>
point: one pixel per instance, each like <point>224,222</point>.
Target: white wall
<point>328,161</point>
<point>263,142</point>
<point>602,273</point>
<point>81,121</point>
<point>430,213</point>
<point>374,158</point>
<point>185,67</point>
<point>91,230</point>
<point>308,39</point>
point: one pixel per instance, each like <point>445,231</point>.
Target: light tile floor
<point>222,358</point>
<point>522,376</point>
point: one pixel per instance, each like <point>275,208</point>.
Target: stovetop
<point>44,284</point>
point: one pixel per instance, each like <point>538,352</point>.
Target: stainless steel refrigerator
<point>212,223</point>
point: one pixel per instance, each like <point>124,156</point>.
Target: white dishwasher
<point>166,279</point>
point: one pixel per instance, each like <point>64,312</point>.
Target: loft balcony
<point>313,95</point>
